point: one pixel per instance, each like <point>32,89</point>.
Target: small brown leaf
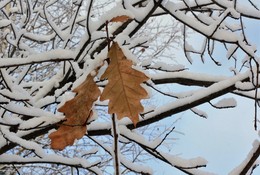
<point>77,112</point>
<point>121,18</point>
<point>123,89</point>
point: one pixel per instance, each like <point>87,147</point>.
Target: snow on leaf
<point>123,89</point>
<point>77,112</point>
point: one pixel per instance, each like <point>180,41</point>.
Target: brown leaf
<point>123,89</point>
<point>77,112</point>
<point>121,18</point>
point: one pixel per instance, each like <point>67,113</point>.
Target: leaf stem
<point>115,134</point>
<point>108,38</point>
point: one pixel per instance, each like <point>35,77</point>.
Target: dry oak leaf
<point>77,112</point>
<point>123,89</point>
<point>121,18</point>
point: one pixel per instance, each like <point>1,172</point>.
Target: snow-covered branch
<point>48,48</point>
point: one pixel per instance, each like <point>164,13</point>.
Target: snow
<point>139,13</point>
<point>189,57</point>
<point>187,75</point>
<point>65,97</point>
<point>133,42</point>
<point>41,117</point>
<point>189,47</point>
<point>136,167</point>
<point>3,99</point>
<point>226,103</point>
<point>173,8</point>
<point>39,122</point>
<point>223,83</point>
<point>14,95</point>
<point>177,161</point>
<point>128,54</point>
<point>53,55</point>
<point>51,158</point>
<point>249,49</point>
<point>14,10</point>
<point>44,101</point>
<point>58,92</point>
<point>199,94</point>
<point>146,62</point>
<point>248,10</point>
<point>188,165</point>
<point>4,3</point>
<point>7,78</point>
<point>240,167</point>
<point>12,119</point>
<point>62,34</point>
<point>231,50</point>
<point>40,38</point>
<point>250,94</point>
<point>147,89</point>
<point>137,137</point>
<point>28,111</point>
<point>4,23</point>
<point>210,30</point>
<point>200,112</point>
<point>88,152</point>
<point>3,141</point>
<point>99,126</point>
<point>118,10</point>
<point>244,86</point>
<point>14,91</point>
<point>30,145</point>
<point>47,86</point>
<point>164,66</point>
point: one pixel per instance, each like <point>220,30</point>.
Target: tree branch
<point>116,149</point>
<point>153,116</point>
<point>251,161</point>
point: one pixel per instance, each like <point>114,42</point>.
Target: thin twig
<point>251,161</point>
<point>115,134</point>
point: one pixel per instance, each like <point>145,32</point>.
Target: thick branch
<point>153,117</point>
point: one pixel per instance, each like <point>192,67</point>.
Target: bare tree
<point>48,47</point>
